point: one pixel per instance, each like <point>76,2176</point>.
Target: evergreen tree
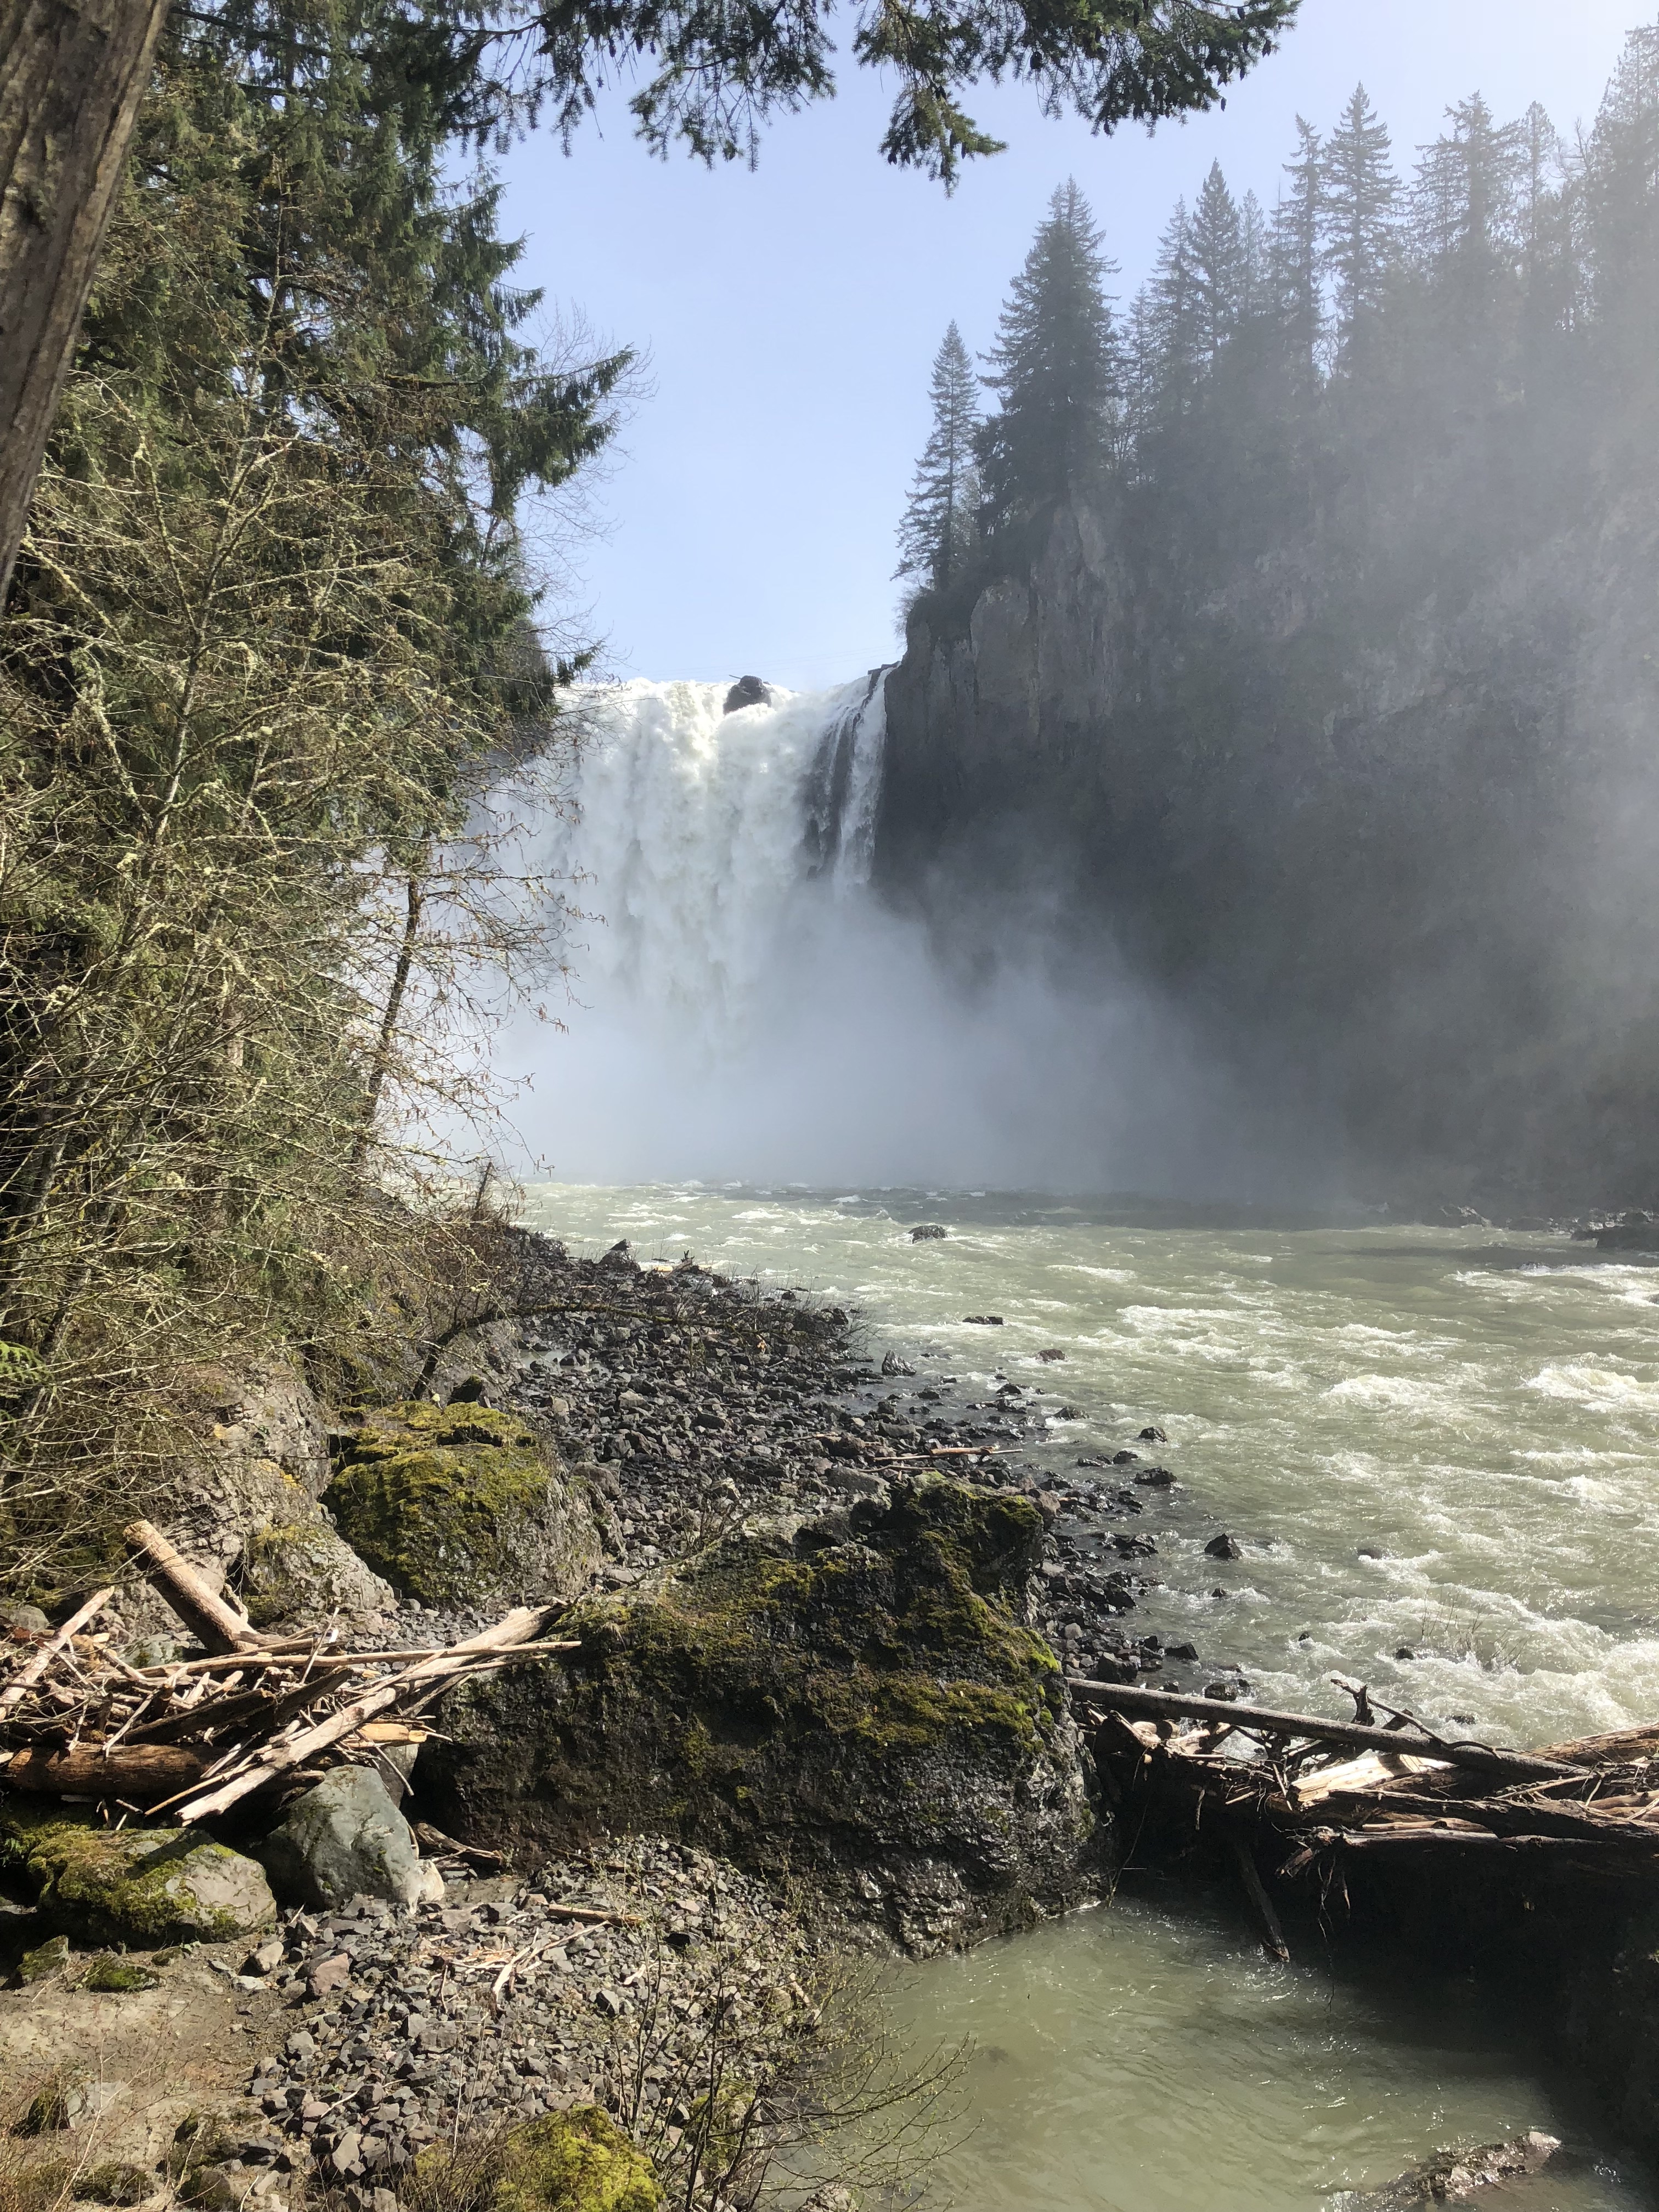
<point>1467,210</point>
<point>1359,216</point>
<point>1172,309</point>
<point>1055,368</point>
<point>1620,199</point>
<point>1297,269</point>
<point>1216,252</point>
<point>941,515</point>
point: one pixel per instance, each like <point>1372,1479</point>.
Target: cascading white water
<point>744,1007</point>
<point>703,841</point>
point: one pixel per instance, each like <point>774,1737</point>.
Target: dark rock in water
<point>1224,1547</point>
<point>1151,1436</point>
<point>747,691</point>
<point>1369,1552</point>
<point>1125,1458</point>
<point>1451,2176</point>
<point>983,1321</point>
<point>892,1364</point>
<point>1181,1651</point>
<point>1156,1478</point>
<point>1052,1352</point>
<point>618,1251</point>
<point>1405,1652</point>
<point>1228,1691</point>
<point>874,1711</point>
<point>1633,1232</point>
<point>927,1232</point>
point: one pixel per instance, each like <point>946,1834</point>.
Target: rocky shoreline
<point>814,1706</point>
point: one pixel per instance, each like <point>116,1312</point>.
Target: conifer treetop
<point>718,71</point>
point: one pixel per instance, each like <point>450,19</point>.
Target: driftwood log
<point>410,1688</point>
<point>1253,1720</point>
<point>215,1623</point>
<point>140,1773</point>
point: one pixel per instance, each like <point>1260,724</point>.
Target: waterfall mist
<point>744,1009</point>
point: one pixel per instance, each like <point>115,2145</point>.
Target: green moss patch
<point>118,1976</point>
<point>142,1887</point>
<point>575,2161</point>
<point>452,1504</point>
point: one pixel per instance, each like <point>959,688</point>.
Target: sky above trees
<point>793,315</point>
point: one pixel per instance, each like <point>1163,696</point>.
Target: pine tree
<point>940,521</point>
<point>1357,216</point>
<point>1620,191</point>
<point>1217,249</point>
<point>1172,309</point>
<point>1054,367</point>
<point>1297,271</point>
<point>1468,212</point>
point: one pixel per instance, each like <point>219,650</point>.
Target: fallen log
<point>1168,1705</point>
<point>143,1774</point>
<point>216,1625</point>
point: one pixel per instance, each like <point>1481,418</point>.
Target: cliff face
<point>1371,790</point>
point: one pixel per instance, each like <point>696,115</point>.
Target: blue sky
<point>791,313</point>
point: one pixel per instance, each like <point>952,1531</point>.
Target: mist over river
<point>1433,1441</point>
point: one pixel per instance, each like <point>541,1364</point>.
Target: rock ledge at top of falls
<point>857,1698</point>
<point>747,691</point>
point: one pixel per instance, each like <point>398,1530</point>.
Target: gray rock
<point>346,1839</point>
<point>29,1618</point>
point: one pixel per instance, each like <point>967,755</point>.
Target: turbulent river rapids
<point>1434,1447</point>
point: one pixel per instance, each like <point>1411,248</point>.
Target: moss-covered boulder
<point>461,1505</point>
<point>138,1887</point>
<point>575,2162</point>
<point>864,1701</point>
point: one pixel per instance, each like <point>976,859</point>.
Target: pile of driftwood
<point>192,1737</point>
<point>1294,1795</point>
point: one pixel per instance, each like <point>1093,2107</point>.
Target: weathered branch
<point>203,1611</point>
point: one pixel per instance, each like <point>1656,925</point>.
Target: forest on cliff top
<point>1299,618</point>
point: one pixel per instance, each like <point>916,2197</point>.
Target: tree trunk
<point>71,75</point>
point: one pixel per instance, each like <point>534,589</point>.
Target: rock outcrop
<point>858,1699</point>
<point>1363,803</point>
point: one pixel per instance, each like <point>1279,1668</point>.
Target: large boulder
<point>863,1699</point>
<point>139,1886</point>
<point>461,1505</point>
<point>346,1839</point>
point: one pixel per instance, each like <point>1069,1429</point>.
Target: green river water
<point>1437,1441</point>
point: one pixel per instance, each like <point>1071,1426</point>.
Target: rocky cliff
<point>1369,788</point>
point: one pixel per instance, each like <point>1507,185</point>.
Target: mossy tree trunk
<point>71,74</point>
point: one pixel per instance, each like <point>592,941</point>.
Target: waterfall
<point>704,843</point>
<point>742,1007</point>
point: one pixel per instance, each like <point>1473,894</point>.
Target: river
<point>1432,1443</point>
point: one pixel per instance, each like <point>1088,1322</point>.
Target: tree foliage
<point>1055,368</point>
<point>940,530</point>
<point>718,72</point>
<point>271,631</point>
